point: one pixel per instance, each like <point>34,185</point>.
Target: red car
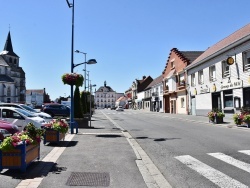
<point>9,127</point>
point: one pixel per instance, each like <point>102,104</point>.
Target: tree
<point>84,101</point>
<point>78,111</point>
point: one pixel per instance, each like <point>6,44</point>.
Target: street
<point>146,149</point>
<point>190,153</point>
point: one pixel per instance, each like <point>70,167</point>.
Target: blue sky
<point>128,38</point>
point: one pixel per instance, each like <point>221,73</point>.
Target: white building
<point>105,96</point>
<point>220,77</point>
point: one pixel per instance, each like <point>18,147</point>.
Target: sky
<point>128,38</point>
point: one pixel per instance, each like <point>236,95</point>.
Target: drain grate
<point>89,179</point>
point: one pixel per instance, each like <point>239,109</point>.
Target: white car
<point>43,115</point>
<point>20,117</point>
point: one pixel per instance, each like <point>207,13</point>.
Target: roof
<point>105,89</point>
<point>234,39</point>
<point>8,49</point>
<point>5,78</point>
<point>37,91</point>
<point>155,82</point>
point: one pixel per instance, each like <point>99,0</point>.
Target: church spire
<point>8,46</point>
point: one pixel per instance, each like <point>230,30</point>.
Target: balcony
<point>155,94</point>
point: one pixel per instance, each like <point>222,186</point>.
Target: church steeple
<point>8,49</point>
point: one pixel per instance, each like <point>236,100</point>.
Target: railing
<point>247,67</point>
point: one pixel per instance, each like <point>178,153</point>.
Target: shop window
<point>246,60</point>
<point>193,80</point>
<point>200,77</point>
<point>212,75</point>
<point>225,69</point>
<point>228,98</point>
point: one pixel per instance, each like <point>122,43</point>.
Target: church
<point>12,76</point>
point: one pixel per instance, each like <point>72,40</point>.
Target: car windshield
<point>28,108</point>
<point>24,112</point>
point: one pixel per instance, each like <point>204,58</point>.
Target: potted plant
<point>72,79</point>
<point>55,131</point>
<point>216,116</point>
<point>19,150</point>
<point>246,119</point>
<point>238,118</point>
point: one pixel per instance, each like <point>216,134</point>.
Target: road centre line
<point>215,176</point>
<point>247,152</point>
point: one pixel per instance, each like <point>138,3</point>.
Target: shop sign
<point>204,90</point>
<point>231,85</point>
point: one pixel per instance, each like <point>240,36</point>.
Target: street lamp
<point>71,5</point>
<point>88,78</point>
<point>94,85</point>
<point>91,61</point>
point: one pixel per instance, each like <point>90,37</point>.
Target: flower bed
<point>73,79</point>
<point>55,131</point>
<point>216,116</point>
<point>19,150</point>
<point>242,118</point>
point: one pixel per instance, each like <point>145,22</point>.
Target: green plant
<point>215,113</point>
<point>238,118</point>
<point>246,118</point>
<point>58,125</point>
<point>73,79</point>
<point>84,101</point>
<point>77,104</point>
<point>31,135</point>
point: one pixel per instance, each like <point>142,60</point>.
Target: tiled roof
<point>37,91</point>
<point>240,35</point>
<point>155,82</point>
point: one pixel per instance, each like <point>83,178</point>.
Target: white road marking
<point>232,161</point>
<point>247,152</point>
<point>217,177</point>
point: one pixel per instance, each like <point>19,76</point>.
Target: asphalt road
<point>190,153</point>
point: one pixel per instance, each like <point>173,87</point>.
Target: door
<point>193,106</point>
<point>14,118</point>
<point>166,102</point>
<point>216,100</point>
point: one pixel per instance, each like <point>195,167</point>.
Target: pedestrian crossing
<point>215,176</point>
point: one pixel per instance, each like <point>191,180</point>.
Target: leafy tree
<point>78,112</point>
<point>84,101</point>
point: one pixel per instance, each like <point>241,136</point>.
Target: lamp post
<point>77,51</point>
<point>71,5</point>
<point>90,102</point>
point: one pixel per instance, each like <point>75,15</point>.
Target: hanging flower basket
<point>73,79</point>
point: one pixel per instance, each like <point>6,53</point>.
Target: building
<point>37,97</point>
<point>174,80</point>
<point>137,87</point>
<point>12,76</point>
<point>220,77</point>
<point>105,96</point>
<point>153,96</point>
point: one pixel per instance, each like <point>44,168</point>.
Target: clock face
<point>230,61</point>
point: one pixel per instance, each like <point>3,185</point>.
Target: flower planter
<point>216,120</point>
<point>53,136</point>
<point>20,157</point>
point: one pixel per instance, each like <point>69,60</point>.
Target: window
<point>246,60</point>
<point>212,75</point>
<point>225,69</point>
<point>200,77</point>
<point>228,98</point>
<point>192,79</point>
<point>182,102</point>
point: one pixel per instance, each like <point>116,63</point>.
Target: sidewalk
<point>97,157</point>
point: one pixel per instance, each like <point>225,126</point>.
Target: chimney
<point>143,77</point>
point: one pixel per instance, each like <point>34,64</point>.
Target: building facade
<point>12,76</point>
<point>174,80</point>
<point>105,96</point>
<point>37,97</point>
<point>220,77</point>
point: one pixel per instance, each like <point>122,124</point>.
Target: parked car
<point>119,108</point>
<point>55,109</point>
<point>43,115</point>
<point>9,128</point>
<point>20,117</point>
